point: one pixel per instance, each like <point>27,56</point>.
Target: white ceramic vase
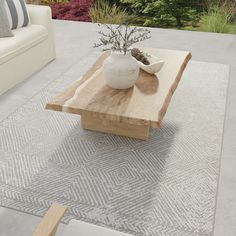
<point>120,71</point>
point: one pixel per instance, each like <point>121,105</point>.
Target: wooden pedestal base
<point>117,128</point>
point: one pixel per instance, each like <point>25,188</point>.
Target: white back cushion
<point>5,30</point>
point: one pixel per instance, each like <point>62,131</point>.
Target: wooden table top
<point>144,104</point>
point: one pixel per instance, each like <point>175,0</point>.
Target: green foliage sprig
<point>218,20</point>
<point>120,38</point>
<point>164,13</point>
<point>104,12</point>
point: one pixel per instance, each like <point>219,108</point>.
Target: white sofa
<point>30,49</point>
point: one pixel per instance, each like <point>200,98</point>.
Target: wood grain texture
<point>117,128</point>
<point>48,225</point>
<point>144,104</point>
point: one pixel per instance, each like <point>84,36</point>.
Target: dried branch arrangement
<point>120,38</point>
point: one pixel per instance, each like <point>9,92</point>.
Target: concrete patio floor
<point>74,42</point>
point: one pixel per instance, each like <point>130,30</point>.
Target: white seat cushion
<point>24,38</point>
<point>79,228</point>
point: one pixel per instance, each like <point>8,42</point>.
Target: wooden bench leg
<point>49,224</point>
<point>54,232</point>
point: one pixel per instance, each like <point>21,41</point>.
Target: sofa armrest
<point>40,15</point>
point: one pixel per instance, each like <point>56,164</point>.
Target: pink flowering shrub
<point>77,10</point>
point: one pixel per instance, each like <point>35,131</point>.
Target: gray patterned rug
<point>164,186</point>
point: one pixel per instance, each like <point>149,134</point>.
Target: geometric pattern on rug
<point>163,186</point>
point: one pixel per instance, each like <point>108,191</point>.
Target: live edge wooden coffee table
<point>129,112</point>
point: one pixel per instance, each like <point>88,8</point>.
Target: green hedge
<point>182,14</point>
